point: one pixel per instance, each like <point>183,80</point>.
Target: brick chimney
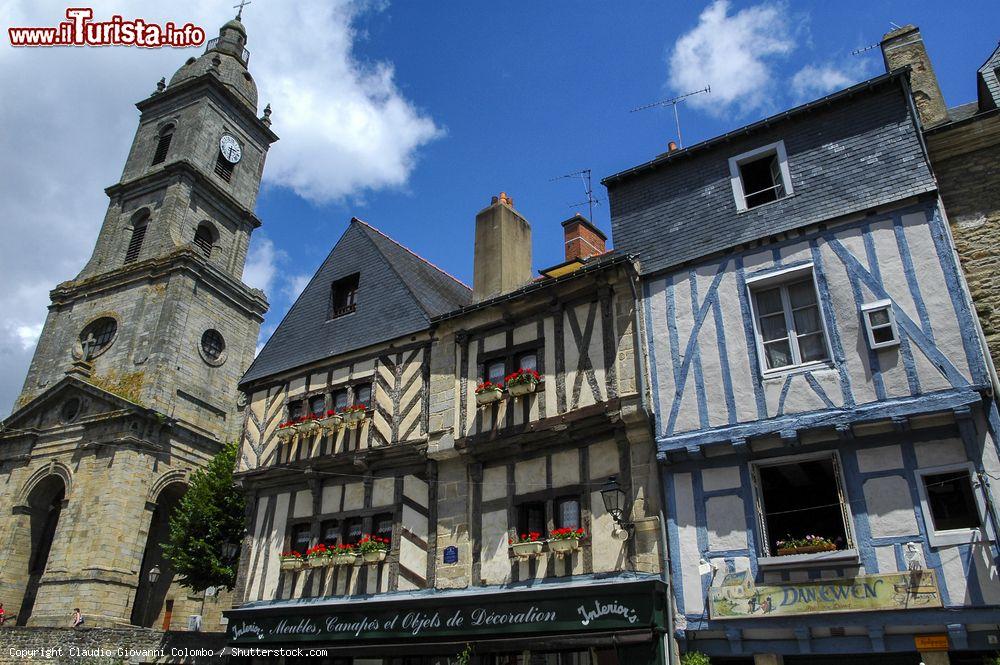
<point>904,46</point>
<point>503,250</point>
<point>583,239</point>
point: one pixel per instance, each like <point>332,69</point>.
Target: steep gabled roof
<point>398,294</point>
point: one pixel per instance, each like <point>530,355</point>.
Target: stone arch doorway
<point>44,504</point>
<point>149,597</point>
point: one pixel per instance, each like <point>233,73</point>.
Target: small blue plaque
<point>451,554</point>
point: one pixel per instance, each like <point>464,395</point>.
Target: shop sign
<point>931,642</point>
<point>540,612</point>
<point>739,598</point>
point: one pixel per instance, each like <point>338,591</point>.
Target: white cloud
<point>294,284</point>
<point>345,129</point>
<point>734,53</point>
<point>813,81</point>
<point>262,263</point>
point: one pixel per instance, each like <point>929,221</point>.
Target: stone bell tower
<point>133,384</point>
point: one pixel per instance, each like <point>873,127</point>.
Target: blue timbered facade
<point>825,422</point>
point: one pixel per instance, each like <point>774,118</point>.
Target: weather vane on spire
<point>243,3</point>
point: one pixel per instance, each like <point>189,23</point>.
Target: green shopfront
<point>609,622</point>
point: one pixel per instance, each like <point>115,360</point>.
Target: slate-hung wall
<point>815,370</point>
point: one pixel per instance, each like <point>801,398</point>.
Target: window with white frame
<point>951,505</point>
<point>760,176</point>
<point>880,324</point>
<point>788,321</point>
<point>801,500</point>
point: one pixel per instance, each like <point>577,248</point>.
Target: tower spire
<point>239,7</point>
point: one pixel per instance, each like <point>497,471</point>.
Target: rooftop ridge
<point>410,251</point>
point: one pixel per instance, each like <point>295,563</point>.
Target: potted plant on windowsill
<point>527,544</point>
<point>318,556</point>
<point>808,545</point>
<point>487,393</point>
<point>565,540</point>
<point>291,560</point>
<point>309,424</point>
<point>344,555</point>
<point>286,431</point>
<point>373,549</point>
<point>331,421</point>
<point>353,414</point>
<point>522,382</point>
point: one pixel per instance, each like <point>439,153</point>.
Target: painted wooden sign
<point>738,598</point>
<point>931,642</point>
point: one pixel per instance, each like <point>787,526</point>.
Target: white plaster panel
<point>607,552</point>
<point>986,572</point>
<point>881,458</point>
<point>317,381</point>
<point>415,523</point>
<point>529,476</point>
<point>955,579</point>
<point>495,567</point>
<point>596,351</point>
<point>550,365</point>
<point>412,557</point>
<point>660,363</point>
<point>687,534</point>
<point>711,371</point>
<point>737,346</point>
<point>297,386</point>
<point>363,368</point>
<point>800,398</point>
<point>340,375</point>
<point>758,261</point>
<point>331,498</point>
<point>720,478</point>
<point>303,504</point>
<point>566,468</point>
<point>526,333</point>
<point>495,341</point>
<point>688,417</point>
<point>938,453</point>
<point>272,562</point>
<point>603,458</point>
<point>795,253</point>
<point>354,496</point>
<point>416,489</point>
<point>494,482</point>
<point>890,508</point>
<point>260,551</point>
<point>383,491</point>
<point>727,527</point>
<point>885,557</point>
<point>571,354</point>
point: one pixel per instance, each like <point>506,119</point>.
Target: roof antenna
<point>584,175</point>
<point>865,49</point>
<point>674,101</point>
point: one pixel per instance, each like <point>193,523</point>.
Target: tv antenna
<point>864,49</point>
<point>674,101</point>
<point>584,175</point>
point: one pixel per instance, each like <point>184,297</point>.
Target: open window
<point>343,295</point>
<point>295,410</point>
<point>880,324</point>
<point>301,537</point>
<point>788,321</point>
<point>952,507</point>
<point>801,499</point>
<point>760,176</point>
<point>531,518</point>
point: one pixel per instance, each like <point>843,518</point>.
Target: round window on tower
<point>213,347</point>
<point>96,337</point>
<point>70,409</point>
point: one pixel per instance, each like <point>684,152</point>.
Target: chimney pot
<point>671,146</point>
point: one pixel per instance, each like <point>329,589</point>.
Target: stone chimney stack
<point>904,46</point>
<point>583,239</point>
<point>503,250</point>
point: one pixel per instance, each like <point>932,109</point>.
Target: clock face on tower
<point>230,148</point>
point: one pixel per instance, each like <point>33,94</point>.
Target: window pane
<point>383,525</point>
<point>768,301</point>
<point>759,184</point>
<point>812,347</point>
<point>802,293</point>
<point>331,531</point>
<point>883,334</point>
<point>294,410</point>
<point>363,394</point>
<point>879,317</point>
<point>528,361</point>
<point>802,499</point>
<point>352,531</point>
<point>317,405</point>
<point>340,399</point>
<point>532,518</point>
<point>495,371</point>
<point>807,320</point>
<point>952,503</point>
<point>568,513</point>
<point>773,327</point>
<point>301,538</point>
<point>778,354</point>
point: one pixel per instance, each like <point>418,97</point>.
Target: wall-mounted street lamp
<point>615,504</point>
<point>154,575</point>
<point>229,551</point>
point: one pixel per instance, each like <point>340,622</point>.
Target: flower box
<point>522,389</point>
<point>346,559</point>
<point>527,549</point>
<point>488,396</point>
<point>285,433</point>
<point>806,549</point>
<point>564,545</point>
<point>374,556</point>
<point>308,426</point>
<point>331,422</point>
<point>291,563</point>
<point>318,561</point>
<point>522,382</point>
<point>353,417</point>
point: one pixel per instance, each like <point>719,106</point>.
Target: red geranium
<point>567,533</point>
<point>530,537</point>
<point>487,386</point>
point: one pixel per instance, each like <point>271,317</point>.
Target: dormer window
<point>760,176</point>
<point>344,295</point>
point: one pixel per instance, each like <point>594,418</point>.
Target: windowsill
<point>782,372</point>
<point>819,559</point>
<point>957,537</point>
<point>741,211</point>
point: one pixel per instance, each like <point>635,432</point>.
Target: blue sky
<point>411,115</point>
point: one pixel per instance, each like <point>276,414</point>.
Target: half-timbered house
<point>825,420</point>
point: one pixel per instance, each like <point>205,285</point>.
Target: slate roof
<point>848,152</point>
<point>398,294</point>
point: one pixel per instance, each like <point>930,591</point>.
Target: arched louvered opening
<point>139,223</point>
<point>163,144</point>
<point>204,239</point>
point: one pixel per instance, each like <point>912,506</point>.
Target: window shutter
<point>779,184</point>
<point>765,538</point>
<point>841,494</point>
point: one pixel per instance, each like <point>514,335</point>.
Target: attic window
<point>760,176</point>
<point>880,324</point>
<point>344,295</point>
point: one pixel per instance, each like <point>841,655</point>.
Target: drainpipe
<point>639,344</point>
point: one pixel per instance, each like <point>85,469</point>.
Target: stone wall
<point>965,162</point>
<point>107,645</point>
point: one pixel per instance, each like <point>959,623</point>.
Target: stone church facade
<point>133,385</point>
